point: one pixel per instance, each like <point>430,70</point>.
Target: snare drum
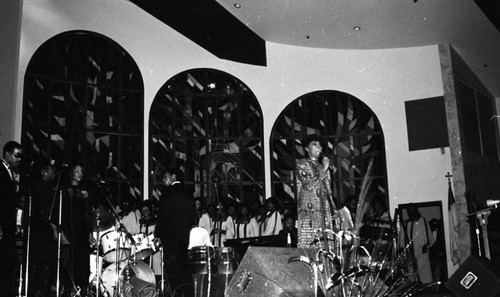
<point>202,259</point>
<point>111,249</point>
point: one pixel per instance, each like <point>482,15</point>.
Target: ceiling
<point>381,24</point>
<point>240,25</point>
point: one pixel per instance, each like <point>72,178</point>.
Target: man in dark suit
<point>175,219</point>
<point>12,153</point>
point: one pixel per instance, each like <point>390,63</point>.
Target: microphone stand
<point>218,224</point>
<point>97,268</point>
<point>59,238</point>
<point>162,282</point>
<point>482,218</point>
<point>59,230</point>
<point>28,238</point>
<point>121,228</point>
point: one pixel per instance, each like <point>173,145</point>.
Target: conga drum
<point>226,261</point>
<point>202,260</point>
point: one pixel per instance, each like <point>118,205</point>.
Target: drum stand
<point>162,281</point>
<point>122,230</point>
<point>117,261</point>
<point>59,240</point>
<point>98,280</point>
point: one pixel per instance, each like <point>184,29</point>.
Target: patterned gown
<point>315,207</point>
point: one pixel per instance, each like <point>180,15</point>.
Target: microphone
<point>491,202</point>
<point>331,167</point>
<point>127,234</point>
<point>103,186</point>
<point>56,164</point>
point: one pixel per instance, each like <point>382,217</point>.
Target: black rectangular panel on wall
<point>469,120</point>
<point>487,123</point>
<point>426,123</point>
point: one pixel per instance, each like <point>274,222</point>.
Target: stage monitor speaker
<point>265,271</point>
<point>477,276</point>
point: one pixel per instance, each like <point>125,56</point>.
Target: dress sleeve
<point>301,174</point>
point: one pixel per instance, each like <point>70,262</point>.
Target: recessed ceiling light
<point>356,28</point>
<point>237,5</point>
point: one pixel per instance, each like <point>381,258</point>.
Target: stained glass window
<point>352,136</point>
<point>83,103</point>
<point>209,124</point>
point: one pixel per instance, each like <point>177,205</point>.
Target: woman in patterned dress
<point>315,206</point>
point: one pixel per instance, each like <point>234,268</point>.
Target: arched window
<point>209,124</point>
<point>352,135</point>
<point>83,103</point>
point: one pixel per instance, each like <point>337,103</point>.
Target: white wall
<point>10,11</point>
<point>383,79</point>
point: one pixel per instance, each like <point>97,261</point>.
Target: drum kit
<point>117,265</point>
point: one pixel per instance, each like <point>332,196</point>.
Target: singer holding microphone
<point>315,207</point>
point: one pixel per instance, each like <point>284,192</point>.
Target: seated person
<point>198,236</point>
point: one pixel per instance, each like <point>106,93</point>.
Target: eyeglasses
<point>18,155</point>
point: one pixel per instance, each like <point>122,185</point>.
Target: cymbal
<point>101,220</point>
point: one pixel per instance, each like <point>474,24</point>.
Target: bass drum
<point>136,276</point>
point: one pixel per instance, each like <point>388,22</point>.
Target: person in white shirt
<point>231,221</point>
<point>130,215</point>
<point>200,233</point>
<point>418,234</point>
<point>206,219</point>
<point>245,226</point>
<point>261,219</point>
<point>199,236</point>
<point>222,226</point>
<point>273,223</point>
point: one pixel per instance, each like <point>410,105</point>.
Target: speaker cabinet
<point>265,271</point>
<point>477,276</point>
